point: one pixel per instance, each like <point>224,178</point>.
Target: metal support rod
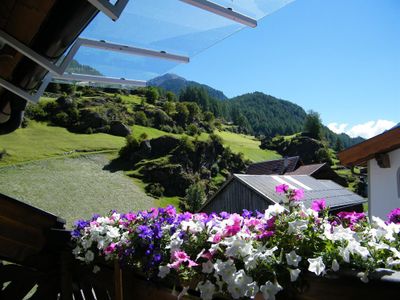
<point>28,52</point>
<point>133,50</point>
<point>22,93</point>
<point>113,11</point>
<point>223,11</point>
<point>101,79</point>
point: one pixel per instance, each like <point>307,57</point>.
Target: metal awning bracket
<point>222,11</point>
<point>113,11</point>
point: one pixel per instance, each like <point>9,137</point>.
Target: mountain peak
<point>175,83</point>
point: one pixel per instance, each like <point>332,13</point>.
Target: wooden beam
<point>362,152</point>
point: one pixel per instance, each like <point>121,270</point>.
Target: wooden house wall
<point>235,197</point>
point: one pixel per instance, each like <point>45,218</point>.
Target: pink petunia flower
<point>298,194</point>
<point>318,205</point>
<point>283,188</point>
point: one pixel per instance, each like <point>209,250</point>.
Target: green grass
<point>73,188</point>
<point>164,201</point>
<point>247,145</point>
<point>39,141</point>
<point>152,133</point>
<point>131,99</point>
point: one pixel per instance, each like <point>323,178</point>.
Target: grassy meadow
<point>65,173</point>
<point>73,188</point>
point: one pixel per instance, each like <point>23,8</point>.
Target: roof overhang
<point>367,150</point>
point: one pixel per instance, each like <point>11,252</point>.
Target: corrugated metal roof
<point>334,194</point>
<point>276,166</point>
<point>306,170</point>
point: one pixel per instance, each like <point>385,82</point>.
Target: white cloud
<point>337,128</point>
<point>365,130</point>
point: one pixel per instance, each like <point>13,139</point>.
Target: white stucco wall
<point>383,186</point>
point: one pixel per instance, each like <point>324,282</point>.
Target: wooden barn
<point>257,192</point>
<point>294,166</point>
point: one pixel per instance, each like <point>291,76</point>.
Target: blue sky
<point>338,57</point>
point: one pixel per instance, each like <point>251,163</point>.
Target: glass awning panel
<point>168,25</point>
<point>256,9</point>
<point>100,62</point>
<point>177,27</point>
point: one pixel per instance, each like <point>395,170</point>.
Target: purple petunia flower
<point>318,205</point>
<point>80,224</point>
<point>394,216</point>
<point>144,232</point>
<point>246,213</point>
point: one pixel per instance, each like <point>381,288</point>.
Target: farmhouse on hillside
<point>257,192</point>
<point>294,166</point>
<point>381,154</point>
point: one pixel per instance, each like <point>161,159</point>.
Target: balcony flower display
<point>241,255</point>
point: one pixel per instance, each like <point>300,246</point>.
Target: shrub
<point>192,130</point>
<point>131,145</point>
<point>141,118</point>
<point>167,128</point>
<point>155,189</point>
<point>35,112</point>
<point>143,136</point>
<point>214,170</point>
<point>195,196</point>
<point>61,119</point>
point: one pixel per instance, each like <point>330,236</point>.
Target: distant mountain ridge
<point>175,84</point>
<point>256,113</point>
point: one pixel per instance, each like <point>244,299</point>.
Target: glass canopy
<point>176,27</point>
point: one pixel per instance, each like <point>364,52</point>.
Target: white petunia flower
<point>297,226</point>
<point>96,269</point>
<point>237,247</point>
<point>269,290</point>
<point>112,232</point>
<point>392,262</point>
<point>363,277</point>
<point>163,271</point>
<point>208,267</point>
<point>345,254</point>
<point>239,285</point>
<point>192,226</point>
<point>89,256</point>
<point>294,274</point>
<point>335,265</point>
<point>317,265</point>
<point>251,290</point>
<point>225,269</point>
<point>293,259</point>
<point>273,210</point>
<point>207,290</point>
<point>355,248</point>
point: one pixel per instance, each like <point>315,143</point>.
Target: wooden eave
<point>361,153</point>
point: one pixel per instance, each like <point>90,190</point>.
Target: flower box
<point>384,284</point>
<point>287,252</point>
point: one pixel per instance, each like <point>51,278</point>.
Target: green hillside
<point>40,141</point>
<point>73,188</point>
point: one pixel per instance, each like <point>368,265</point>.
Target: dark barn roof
<point>276,166</point>
<point>306,170</point>
<point>335,195</point>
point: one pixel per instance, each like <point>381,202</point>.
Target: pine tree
<point>313,125</point>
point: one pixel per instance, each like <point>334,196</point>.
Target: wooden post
<point>118,284</point>
<point>66,275</point>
